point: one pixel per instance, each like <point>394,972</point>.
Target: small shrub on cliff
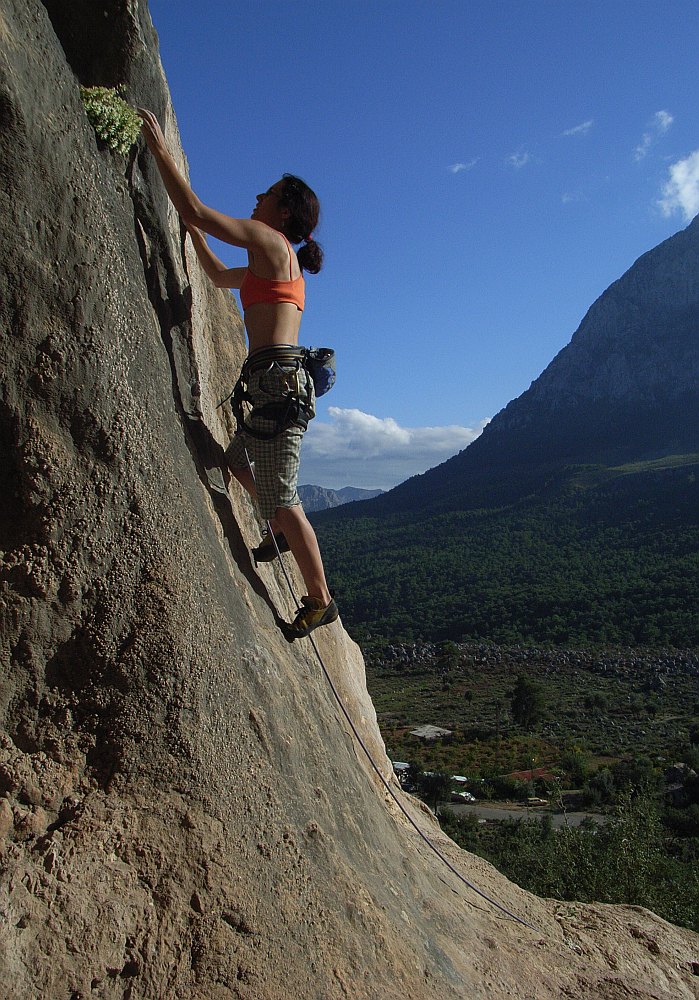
<point>114,121</point>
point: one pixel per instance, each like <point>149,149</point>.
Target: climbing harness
<point>295,406</point>
<point>374,765</point>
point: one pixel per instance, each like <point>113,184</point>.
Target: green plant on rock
<point>114,121</point>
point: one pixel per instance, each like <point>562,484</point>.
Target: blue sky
<point>486,169</point>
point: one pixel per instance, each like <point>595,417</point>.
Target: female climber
<point>275,382</point>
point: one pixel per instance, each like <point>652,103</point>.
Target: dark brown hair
<point>304,207</point>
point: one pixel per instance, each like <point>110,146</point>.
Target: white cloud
<point>359,449</point>
<point>519,160</point>
<point>580,129</point>
<point>642,149</point>
<point>457,168</point>
<point>662,120</point>
<point>681,191</point>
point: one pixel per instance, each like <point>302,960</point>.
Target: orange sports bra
<point>254,289</point>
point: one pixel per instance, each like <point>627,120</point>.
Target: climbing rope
<point>362,744</point>
<point>402,808</point>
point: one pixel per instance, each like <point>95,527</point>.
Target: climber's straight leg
<point>304,547</point>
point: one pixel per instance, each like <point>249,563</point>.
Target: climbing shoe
<point>311,615</point>
<point>267,552</point>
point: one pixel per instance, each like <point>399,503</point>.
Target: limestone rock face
<point>184,809</point>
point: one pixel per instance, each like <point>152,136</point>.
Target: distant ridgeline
<point>574,517</point>
<point>319,498</point>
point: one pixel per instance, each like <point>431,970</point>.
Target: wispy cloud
<point>661,122</point>
<point>457,168</point>
<point>642,149</point>
<point>681,191</point>
<point>582,129</point>
<point>359,449</point>
<point>519,160</point>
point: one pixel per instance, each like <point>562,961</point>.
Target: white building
<point>430,732</point>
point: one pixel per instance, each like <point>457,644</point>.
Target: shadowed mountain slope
<point>624,389</point>
<point>573,517</point>
<point>183,810</point>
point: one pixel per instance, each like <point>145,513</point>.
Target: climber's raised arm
<point>245,233</point>
<point>222,276</point>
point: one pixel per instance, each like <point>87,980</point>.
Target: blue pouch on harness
<point>320,364</point>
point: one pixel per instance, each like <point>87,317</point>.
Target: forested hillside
<point>595,556</point>
<point>574,517</point>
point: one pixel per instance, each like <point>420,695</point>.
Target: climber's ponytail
<point>310,256</point>
<point>304,207</point>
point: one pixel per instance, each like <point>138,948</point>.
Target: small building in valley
<point>430,732</point>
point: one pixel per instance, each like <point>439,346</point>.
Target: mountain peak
<point>625,387</point>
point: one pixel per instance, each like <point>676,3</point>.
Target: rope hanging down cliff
<point>374,765</point>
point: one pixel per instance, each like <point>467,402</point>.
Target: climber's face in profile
<point>269,208</point>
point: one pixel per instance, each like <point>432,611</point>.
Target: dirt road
<point>511,810</point>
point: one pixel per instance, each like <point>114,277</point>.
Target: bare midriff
<point>272,324</point>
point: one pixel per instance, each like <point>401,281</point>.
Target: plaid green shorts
<point>276,460</point>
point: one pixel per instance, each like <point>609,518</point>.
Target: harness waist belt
<point>268,355</point>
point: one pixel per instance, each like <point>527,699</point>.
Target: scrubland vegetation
<point>612,731</point>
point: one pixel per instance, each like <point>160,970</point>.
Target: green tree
<point>449,654</point>
<point>435,788</point>
<point>527,702</point>
<point>413,777</point>
<point>497,704</point>
<point>635,774</point>
<point>601,788</point>
<point>576,764</point>
<point>597,702</point>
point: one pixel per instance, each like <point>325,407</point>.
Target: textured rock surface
<point>183,809</point>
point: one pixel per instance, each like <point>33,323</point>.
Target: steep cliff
<point>184,810</point>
